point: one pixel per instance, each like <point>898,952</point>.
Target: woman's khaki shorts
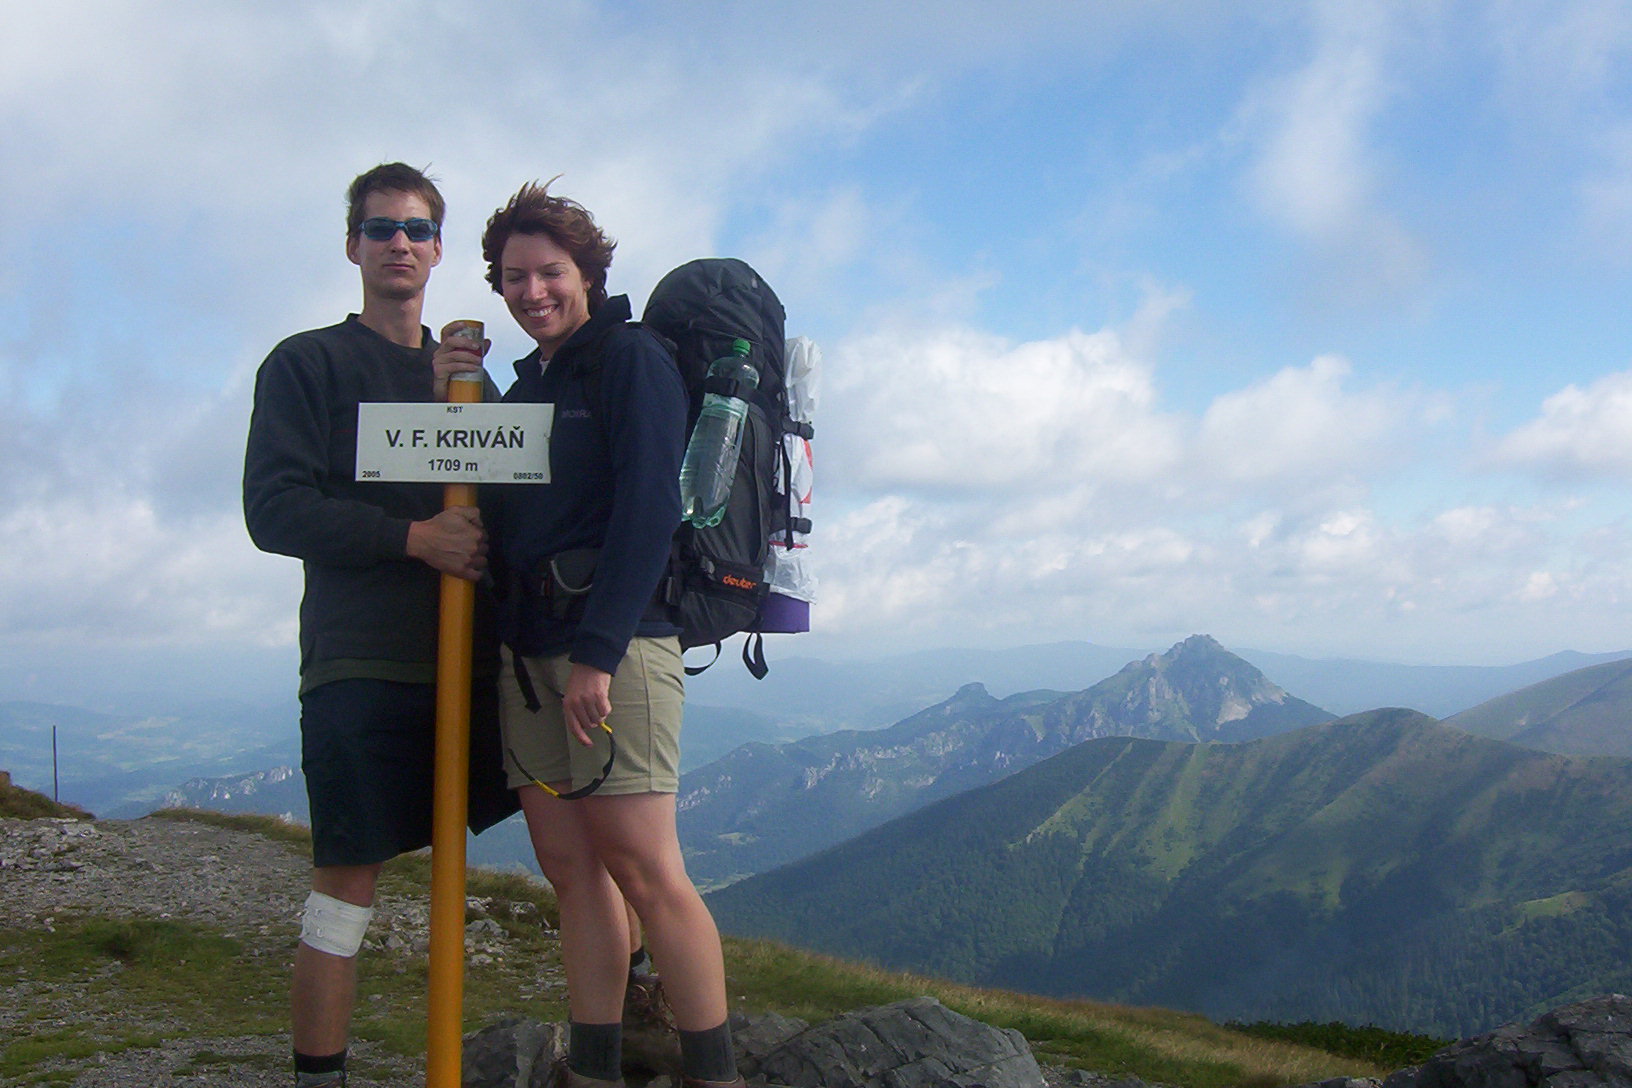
<point>648,700</point>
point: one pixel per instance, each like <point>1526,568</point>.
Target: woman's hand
<point>455,355</point>
<point>587,701</point>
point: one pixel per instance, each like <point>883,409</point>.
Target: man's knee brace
<point>332,925</point>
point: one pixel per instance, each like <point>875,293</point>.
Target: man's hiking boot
<point>650,1042</point>
<point>321,1080</point>
<point>561,1075</point>
<point>644,1005</point>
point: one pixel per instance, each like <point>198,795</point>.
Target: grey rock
<point>1082,1078</point>
<point>1585,1045</point>
<point>753,1037</point>
<point>911,1044</point>
<point>513,1052</point>
<point>918,1043</point>
<point>485,928</point>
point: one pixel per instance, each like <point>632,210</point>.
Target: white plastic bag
<point>788,567</point>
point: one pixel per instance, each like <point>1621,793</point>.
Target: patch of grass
<point>144,946</point>
<point>20,1056</point>
<point>125,978</point>
<point>1555,906</point>
<point>202,1060</point>
<point>21,804</point>
<point>270,827</point>
<point>1154,1044</point>
<point>1389,1049</point>
<point>513,897</point>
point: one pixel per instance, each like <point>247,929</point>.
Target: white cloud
<point>1540,586</point>
<point>1301,425</point>
<point>99,568</point>
<point>900,573</point>
<point>1317,170</point>
<point>956,411</point>
<point>1581,432</point>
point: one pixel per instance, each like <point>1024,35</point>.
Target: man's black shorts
<point>368,749</point>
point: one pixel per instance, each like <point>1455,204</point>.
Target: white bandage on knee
<point>332,925</point>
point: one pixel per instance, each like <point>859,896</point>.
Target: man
<point>373,554</point>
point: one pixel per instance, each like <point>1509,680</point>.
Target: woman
<point>593,656</point>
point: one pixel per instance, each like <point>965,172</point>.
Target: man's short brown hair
<point>391,177</point>
<point>566,222</point>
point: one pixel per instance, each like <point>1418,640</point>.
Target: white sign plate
<point>454,443</point>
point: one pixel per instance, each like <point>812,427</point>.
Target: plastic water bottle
<point>710,466</point>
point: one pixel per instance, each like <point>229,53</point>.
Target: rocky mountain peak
<point>1197,681</point>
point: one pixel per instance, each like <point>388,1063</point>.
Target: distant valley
<point>120,756</point>
<point>764,805</point>
<point>122,763</point>
<point>1381,868</point>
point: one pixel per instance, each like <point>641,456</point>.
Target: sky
<point>1305,326</point>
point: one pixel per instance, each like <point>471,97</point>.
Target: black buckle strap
<point>697,670</point>
<point>524,681</point>
<point>753,656</point>
<point>755,664</point>
<point>730,387</point>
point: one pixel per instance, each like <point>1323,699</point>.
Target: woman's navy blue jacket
<point>614,485</point>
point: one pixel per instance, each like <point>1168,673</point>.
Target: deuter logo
<point>739,583</point>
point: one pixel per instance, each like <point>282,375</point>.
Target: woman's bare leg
<point>635,837</point>
<point>594,932</point>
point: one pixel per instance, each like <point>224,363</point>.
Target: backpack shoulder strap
<point>589,370</point>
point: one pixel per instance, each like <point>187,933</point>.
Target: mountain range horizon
<point>790,836</point>
<point>122,751</point>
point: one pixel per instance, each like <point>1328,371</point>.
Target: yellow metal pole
<point>445,997</point>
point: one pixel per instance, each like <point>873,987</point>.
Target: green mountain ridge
<point>1585,712</point>
<point>765,805</point>
<point>1381,868</point>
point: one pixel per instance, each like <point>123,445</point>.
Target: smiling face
<point>395,269</point>
<point>544,289</point>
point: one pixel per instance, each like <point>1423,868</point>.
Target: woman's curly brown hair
<point>568,223</point>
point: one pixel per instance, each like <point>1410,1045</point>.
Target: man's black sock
<point>314,1069</point>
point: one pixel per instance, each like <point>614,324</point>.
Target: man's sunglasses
<point>381,229</point>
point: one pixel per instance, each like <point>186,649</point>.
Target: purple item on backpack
<point>782,615</point>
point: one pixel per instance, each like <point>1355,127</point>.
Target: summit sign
<point>454,443</point>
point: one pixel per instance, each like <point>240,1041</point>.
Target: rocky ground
<point>244,884</point>
<point>251,887</point>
